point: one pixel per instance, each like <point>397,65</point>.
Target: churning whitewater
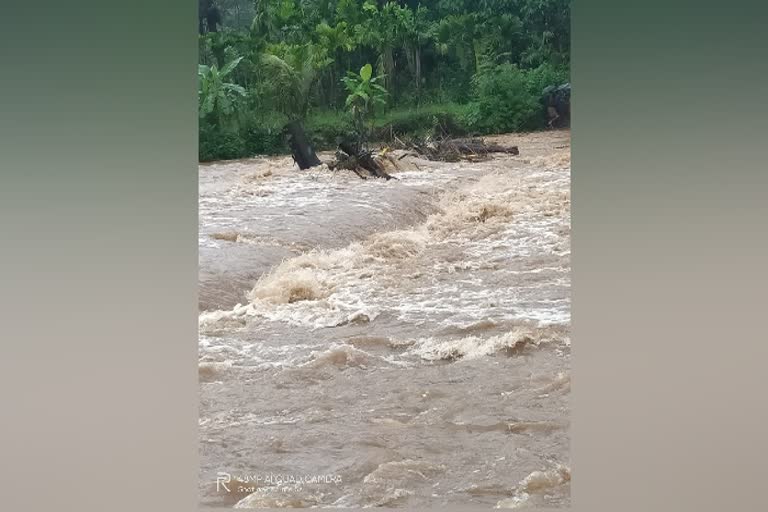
<point>401,343</point>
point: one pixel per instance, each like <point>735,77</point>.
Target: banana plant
<point>365,93</point>
<point>218,98</point>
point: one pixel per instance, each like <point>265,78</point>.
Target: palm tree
<point>291,79</point>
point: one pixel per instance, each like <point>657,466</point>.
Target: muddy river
<point>401,343</point>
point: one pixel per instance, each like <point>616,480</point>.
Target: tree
<point>381,31</point>
<point>294,53</point>
<point>548,26</point>
<point>291,78</point>
<point>209,16</point>
<point>334,42</point>
<point>503,101</point>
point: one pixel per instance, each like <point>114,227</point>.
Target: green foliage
<point>503,101</point>
<point>218,98</point>
<point>326,128</point>
<point>255,137</point>
<point>458,65</point>
<point>365,94</point>
<point>545,75</point>
<point>263,135</point>
<point>289,74</point>
<point>435,119</point>
<point>217,144</point>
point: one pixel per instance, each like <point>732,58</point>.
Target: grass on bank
<point>326,127</point>
<point>504,99</point>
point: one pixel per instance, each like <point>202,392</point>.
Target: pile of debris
<point>367,163</point>
<point>452,150</point>
<point>361,161</point>
<point>356,157</point>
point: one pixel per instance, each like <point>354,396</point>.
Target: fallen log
<point>452,150</point>
<point>345,161</point>
<point>364,159</point>
<point>478,146</point>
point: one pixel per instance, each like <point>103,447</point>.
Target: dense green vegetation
<point>379,67</point>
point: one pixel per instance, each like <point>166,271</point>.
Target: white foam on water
<point>496,248</point>
<point>538,482</point>
<point>473,347</point>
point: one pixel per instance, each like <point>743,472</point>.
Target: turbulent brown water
<point>399,344</point>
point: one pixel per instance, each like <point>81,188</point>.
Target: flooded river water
<point>400,343</point>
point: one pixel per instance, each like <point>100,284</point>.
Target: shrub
<point>503,101</point>
<point>215,144</point>
<point>427,119</point>
<point>544,76</point>
<point>254,135</point>
<point>325,128</point>
<point>263,135</point>
<point>263,141</point>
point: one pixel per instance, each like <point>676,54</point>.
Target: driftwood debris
<point>452,150</point>
<point>360,161</point>
<point>366,163</point>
